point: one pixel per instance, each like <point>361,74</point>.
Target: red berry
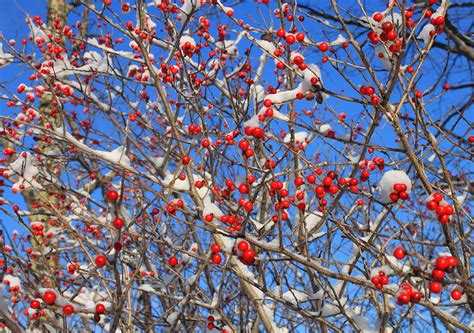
<point>118,223</point>
<point>442,263</point>
<point>456,294</point>
<point>391,35</point>
<point>49,297</point>
<point>323,47</point>
<point>377,17</point>
<point>100,308</point>
<point>399,253</point>
<point>437,274</point>
<point>394,196</point>
<point>249,153</point>
<point>431,205</point>
<point>440,210</point>
<point>248,255</point>
<point>217,258</point>
<point>407,287</point>
<point>437,197</point>
<point>35,304</point>
<point>374,100</point>
<point>443,219</point>
<point>101,261</point>
<point>387,26</point>
<point>449,210</point>
<point>186,159</point>
<point>173,261</point>
<point>290,39</point>
<point>243,246</point>
<point>244,145</point>
<point>435,287</point>
<point>112,195</point>
<point>281,33</point>
<point>248,206</point>
<point>68,310</point>
<point>453,262</point>
<point>299,181</point>
<point>327,181</point>
<point>243,188</point>
<point>403,195</point>
<point>415,296</point>
<point>300,36</point>
<point>403,298</point>
<point>397,187</point>
<point>215,248</point>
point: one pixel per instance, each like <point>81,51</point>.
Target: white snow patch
<point>391,178</point>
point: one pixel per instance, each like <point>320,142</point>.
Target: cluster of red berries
<point>370,91</point>
<point>231,187</point>
<point>389,34</point>
<point>216,257</point>
<point>49,297</point>
<point>37,229</point>
<point>232,221</point>
<point>438,22</point>
<point>267,114</point>
<point>399,192</point>
<point>194,129</point>
<point>12,288</point>
<point>245,253</point>
<point>366,165</point>
<point>441,208</point>
<point>299,61</point>
<point>351,182</point>
<point>173,205</point>
<point>210,322</point>
<point>327,186</point>
<point>380,280</point>
<point>290,38</point>
<point>244,145</point>
<point>72,267</point>
<point>247,205</point>
<point>281,206</point>
<point>167,73</point>
<point>256,132</point>
<point>99,309</point>
<point>277,187</point>
<point>408,294</point>
<point>189,49</point>
<point>442,265</point>
<point>229,138</point>
<point>35,305</point>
